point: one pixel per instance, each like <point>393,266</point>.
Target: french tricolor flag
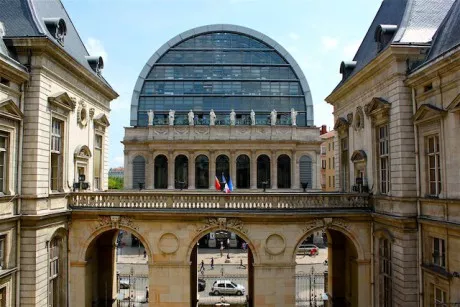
<point>217,184</point>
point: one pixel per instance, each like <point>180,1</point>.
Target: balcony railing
<point>167,200</point>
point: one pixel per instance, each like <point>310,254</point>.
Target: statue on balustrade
<point>253,118</point>
<point>293,117</point>
<point>232,118</point>
<point>190,118</point>
<point>171,117</point>
<point>150,114</point>
<point>212,118</point>
<point>273,117</point>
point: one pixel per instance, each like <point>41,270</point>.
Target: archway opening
<point>202,172</point>
<point>263,171</point>
<point>116,271</point>
<point>326,270</point>
<point>284,172</point>
<point>243,172</point>
<point>181,172</point>
<point>221,270</point>
<point>161,172</point>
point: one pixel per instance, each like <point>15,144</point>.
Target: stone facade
<point>328,161</point>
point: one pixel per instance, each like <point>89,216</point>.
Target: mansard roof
<point>30,18</point>
<point>416,21</point>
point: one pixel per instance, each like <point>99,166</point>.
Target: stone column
<point>152,175</point>
<point>233,168</point>
<point>149,173</point>
<point>191,171</point>
<point>212,169</point>
<point>253,170</point>
<point>128,174</point>
<point>169,284</point>
<point>294,171</point>
<point>77,285</point>
<point>274,170</point>
<point>171,170</point>
<point>364,283</point>
<point>270,280</point>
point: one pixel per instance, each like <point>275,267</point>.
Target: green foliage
<point>115,183</point>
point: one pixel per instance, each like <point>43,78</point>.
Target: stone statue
<point>171,117</point>
<point>293,117</point>
<point>232,118</point>
<point>190,118</point>
<point>273,117</point>
<point>212,118</point>
<point>150,114</point>
<point>253,118</point>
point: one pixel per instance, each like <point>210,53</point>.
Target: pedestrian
<point>228,243</point>
<point>212,263</point>
<point>221,250</point>
<point>145,254</point>
<point>146,294</point>
<point>202,266</point>
<point>222,271</point>
<point>241,264</point>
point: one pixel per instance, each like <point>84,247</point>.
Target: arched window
<point>138,172</point>
<point>284,172</point>
<point>305,170</point>
<point>243,173</point>
<point>263,171</point>
<point>181,172</point>
<point>161,172</point>
<point>202,172</point>
<point>222,167</point>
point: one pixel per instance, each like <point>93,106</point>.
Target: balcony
<point>215,202</point>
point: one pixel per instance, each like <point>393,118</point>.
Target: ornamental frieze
<point>115,221</point>
<point>222,223</point>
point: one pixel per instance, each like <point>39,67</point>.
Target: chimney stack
<point>323,130</point>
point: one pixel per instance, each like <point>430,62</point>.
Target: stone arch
<point>263,153</point>
<point>135,154</point>
<point>199,235</point>
<point>384,233</point>
<point>182,153</point>
<point>61,232</point>
<point>82,255</point>
<point>349,234</point>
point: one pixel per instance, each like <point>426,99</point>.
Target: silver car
<point>227,287</point>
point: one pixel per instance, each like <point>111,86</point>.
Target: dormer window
<point>96,63</point>
<point>346,68</point>
<point>383,35</point>
<point>57,28</point>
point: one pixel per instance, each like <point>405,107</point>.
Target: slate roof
<point>25,18</point>
<point>448,35</point>
<point>417,21</point>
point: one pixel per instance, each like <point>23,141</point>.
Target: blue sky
<point>319,34</point>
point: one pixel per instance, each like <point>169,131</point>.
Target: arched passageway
<point>326,270</point>
<point>263,171</point>
<point>284,172</point>
<point>202,172</point>
<point>243,172</point>
<point>181,172</point>
<point>221,266</point>
<point>161,172</point>
<point>116,271</point>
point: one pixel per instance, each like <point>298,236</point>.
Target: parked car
<point>227,287</point>
<point>124,283</point>
<point>308,249</point>
<point>201,284</point>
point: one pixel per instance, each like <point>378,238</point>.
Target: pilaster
<point>191,171</point>
<point>169,285</point>
<point>274,285</point>
<point>253,170</point>
<point>274,170</point>
<point>212,169</point>
<point>170,170</point>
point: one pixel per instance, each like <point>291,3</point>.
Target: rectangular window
<point>344,163</point>
<point>439,256</point>
<point>440,297</point>
<point>323,164</point>
<point>57,129</point>
<point>97,161</point>
<point>329,181</point>
<point>54,272</point>
<point>3,160</point>
<point>329,160</point>
<point>434,165</point>
<point>333,181</point>
<point>2,252</point>
<point>385,283</point>
<point>333,162</point>
<point>383,160</point>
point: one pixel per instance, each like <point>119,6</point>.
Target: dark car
<point>201,284</point>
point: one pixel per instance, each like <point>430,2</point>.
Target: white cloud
<point>117,161</point>
<point>349,50</point>
<point>95,47</point>
<point>294,36</point>
<point>329,43</point>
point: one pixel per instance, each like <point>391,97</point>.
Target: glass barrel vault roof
<point>224,68</point>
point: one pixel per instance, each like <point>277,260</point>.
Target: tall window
<point>2,252</point>
<point>97,161</point>
<point>384,170</point>
<point>439,248</point>
<point>434,165</point>
<point>440,297</point>
<point>3,297</point>
<point>3,159</point>
<point>57,129</point>
<point>344,163</point>
<point>385,272</point>
<point>54,277</point>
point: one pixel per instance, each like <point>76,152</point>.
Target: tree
<point>115,183</point>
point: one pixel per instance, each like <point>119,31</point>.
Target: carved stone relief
<point>222,223</point>
<point>168,243</point>
<point>115,221</point>
<point>275,244</point>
